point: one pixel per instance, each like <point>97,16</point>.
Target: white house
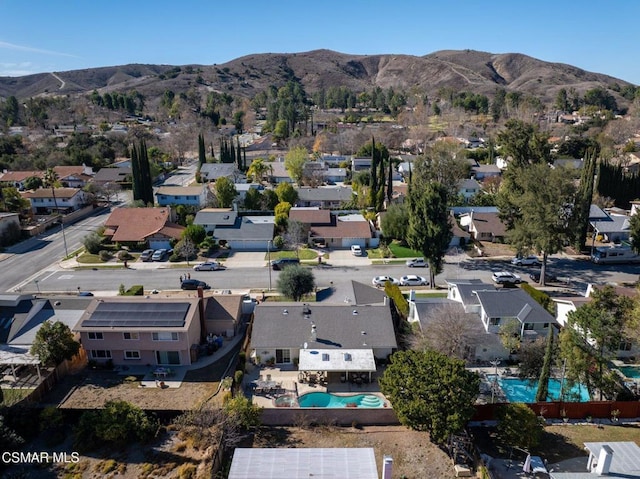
<point>182,195</point>
<point>64,200</point>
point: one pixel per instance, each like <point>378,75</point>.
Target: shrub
<point>92,243</point>
<point>105,255</point>
<point>237,377</point>
<point>187,471</point>
<point>135,290</point>
<point>540,297</point>
<point>278,242</point>
<point>124,255</point>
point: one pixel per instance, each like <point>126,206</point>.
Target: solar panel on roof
<point>145,315</point>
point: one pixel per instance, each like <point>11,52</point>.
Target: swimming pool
<point>320,399</point>
<point>631,372</point>
<point>522,390</point>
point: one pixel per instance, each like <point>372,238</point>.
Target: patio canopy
<point>16,355</point>
<point>337,360</point>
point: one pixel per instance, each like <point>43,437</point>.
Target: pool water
<point>631,372</point>
<point>319,399</point>
<point>522,390</point>
<point>286,401</point>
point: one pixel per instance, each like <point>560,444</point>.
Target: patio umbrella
<point>527,464</point>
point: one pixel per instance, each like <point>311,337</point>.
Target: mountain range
<point>461,70</point>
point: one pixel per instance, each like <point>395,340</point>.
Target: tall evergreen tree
<point>136,181</point>
<point>147,183</point>
<point>238,154</point>
<point>429,229</point>
<point>584,197</point>
<point>202,157</point>
<point>374,174</point>
<point>381,187</point>
<point>390,182</point>
<point>543,382</point>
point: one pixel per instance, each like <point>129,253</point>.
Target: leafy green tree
<point>225,192</point>
<point>9,440</point>
<point>33,183</point>
<point>394,222</point>
<point>635,232</point>
<point>54,343</point>
<point>531,356</point>
<point>536,203</point>
<point>280,131</point>
<point>92,242</point>
<point>117,424</point>
<point>510,334</point>
<point>524,143</point>
<point>243,412</point>
<point>592,338</point>
<point>519,426</point>
<point>295,281</point>
<point>445,163</point>
<point>429,230</point>
<point>254,200</point>
<point>258,170</point>
<point>430,392</point>
<point>282,208</point>
<point>270,200</point>
<point>12,201</point>
<point>286,193</point>
<point>294,161</point>
<point>196,233</point>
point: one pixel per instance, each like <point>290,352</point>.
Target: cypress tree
<point>145,171</point>
<point>390,182</point>
<point>374,174</point>
<point>136,185</point>
<point>239,154</point>
<point>202,158</point>
<point>583,199</point>
<point>543,382</point>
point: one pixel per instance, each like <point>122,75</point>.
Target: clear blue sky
<point>56,35</point>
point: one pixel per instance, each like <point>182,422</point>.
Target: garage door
<point>159,244</point>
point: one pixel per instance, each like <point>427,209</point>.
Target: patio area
<point>265,385</point>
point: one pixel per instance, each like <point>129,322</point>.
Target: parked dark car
<point>278,264</point>
<point>548,277</point>
<point>194,284</point>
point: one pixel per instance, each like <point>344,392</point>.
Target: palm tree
<point>258,169</point>
<point>50,180</point>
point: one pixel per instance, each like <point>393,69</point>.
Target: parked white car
<point>356,250</point>
<point>531,260</point>
<point>416,263</point>
<point>505,277</point>
<point>208,266</point>
<point>413,280</point>
<point>381,280</point>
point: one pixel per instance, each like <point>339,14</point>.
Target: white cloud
<point>21,48</point>
<point>18,69</point>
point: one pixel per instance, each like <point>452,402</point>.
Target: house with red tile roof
<point>151,226</point>
<point>335,231</point>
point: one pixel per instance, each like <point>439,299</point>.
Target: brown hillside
<point>467,70</point>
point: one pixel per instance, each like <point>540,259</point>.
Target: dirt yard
<point>414,457</point>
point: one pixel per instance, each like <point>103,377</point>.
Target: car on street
<point>356,250</point>
<point>548,277</point>
<point>413,280</point>
<point>505,277</point>
<point>194,284</point>
<point>146,255</point>
<point>159,255</point>
<point>280,263</point>
<point>416,263</point>
<point>208,266</point>
<point>525,260</point>
<point>381,280</point>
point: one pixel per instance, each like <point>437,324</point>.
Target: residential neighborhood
<point>252,291</point>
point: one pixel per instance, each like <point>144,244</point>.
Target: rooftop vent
<point>354,312</point>
<point>285,311</point>
<point>363,332</point>
<point>305,309</point>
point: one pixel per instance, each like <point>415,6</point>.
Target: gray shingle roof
<point>215,217</point>
<point>340,193</point>
<point>337,326</point>
<point>245,229</point>
<point>503,303</point>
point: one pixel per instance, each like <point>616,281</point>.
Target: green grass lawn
<point>9,397</point>
<point>305,254</point>
<point>403,252</point>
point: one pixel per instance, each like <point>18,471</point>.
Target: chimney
<point>604,461</point>
<point>387,466</point>
<point>203,327</point>
<point>314,333</point>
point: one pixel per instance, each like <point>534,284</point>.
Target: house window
<point>494,321</point>
<point>132,354</point>
<point>100,354</point>
<point>625,346</point>
<point>95,335</point>
<point>165,336</point>
<point>528,326</point>
<point>283,356</point>
<point>545,325</point>
<point>131,336</point>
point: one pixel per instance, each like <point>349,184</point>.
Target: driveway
<point>246,259</point>
<point>340,257</point>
